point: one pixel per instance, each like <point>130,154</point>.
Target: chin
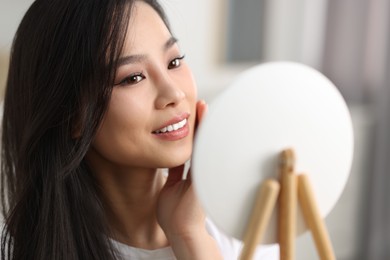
<point>175,161</point>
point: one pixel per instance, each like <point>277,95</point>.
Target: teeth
<point>172,127</point>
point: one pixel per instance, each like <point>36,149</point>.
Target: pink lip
<point>177,134</point>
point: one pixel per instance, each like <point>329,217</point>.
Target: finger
<point>175,175</point>
<point>201,110</point>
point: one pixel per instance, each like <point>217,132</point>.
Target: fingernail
<point>202,102</point>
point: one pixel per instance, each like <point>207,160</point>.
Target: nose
<point>169,93</point>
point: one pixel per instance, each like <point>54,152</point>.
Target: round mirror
<point>267,109</point>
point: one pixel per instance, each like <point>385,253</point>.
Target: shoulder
<point>231,248</point>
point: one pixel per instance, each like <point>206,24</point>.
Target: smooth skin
<point>146,209</point>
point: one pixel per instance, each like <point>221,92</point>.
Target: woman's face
<point>151,115</point>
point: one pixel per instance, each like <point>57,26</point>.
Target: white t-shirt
<point>230,249</point>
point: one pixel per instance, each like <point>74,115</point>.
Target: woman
<point>98,100</point>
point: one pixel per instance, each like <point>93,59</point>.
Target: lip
<point>174,120</point>
<point>176,134</point>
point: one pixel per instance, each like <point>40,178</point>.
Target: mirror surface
<point>269,108</point>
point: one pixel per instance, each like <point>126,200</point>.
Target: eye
<point>175,63</point>
<point>131,79</point>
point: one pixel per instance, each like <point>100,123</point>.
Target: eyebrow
<point>141,57</point>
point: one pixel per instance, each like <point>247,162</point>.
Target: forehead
<point>145,27</point>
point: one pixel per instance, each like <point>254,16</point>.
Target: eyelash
<point>175,60</point>
<point>139,76</point>
<point>132,79</point>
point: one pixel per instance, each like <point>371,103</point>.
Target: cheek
<point>191,85</point>
<point>121,126</point>
<point>124,113</point>
<point>190,90</point>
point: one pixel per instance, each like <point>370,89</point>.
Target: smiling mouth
<point>172,127</point>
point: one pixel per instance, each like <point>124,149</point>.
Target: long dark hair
<point>60,79</point>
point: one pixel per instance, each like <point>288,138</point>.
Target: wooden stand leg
<point>313,219</point>
<point>287,206</point>
<point>292,188</point>
<point>265,202</point>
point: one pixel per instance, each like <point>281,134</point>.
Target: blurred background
<point>344,39</point>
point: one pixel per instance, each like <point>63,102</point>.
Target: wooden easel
<point>289,190</point>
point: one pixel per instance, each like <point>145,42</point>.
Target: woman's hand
<point>180,215</point>
<point>178,211</point>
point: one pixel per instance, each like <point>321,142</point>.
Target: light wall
<point>4,57</point>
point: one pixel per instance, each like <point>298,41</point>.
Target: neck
<point>130,198</point>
